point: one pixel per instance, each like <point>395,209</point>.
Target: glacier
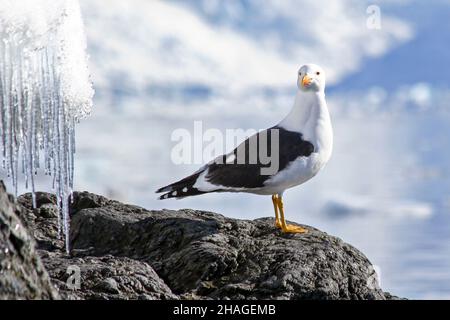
<point>45,90</point>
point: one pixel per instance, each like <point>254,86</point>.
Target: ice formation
<point>45,89</point>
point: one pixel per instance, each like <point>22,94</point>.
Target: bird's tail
<point>180,189</point>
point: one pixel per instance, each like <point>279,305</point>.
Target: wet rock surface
<point>81,275</point>
<point>22,274</point>
<point>126,252</point>
<point>122,251</point>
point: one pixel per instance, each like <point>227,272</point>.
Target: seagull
<point>301,144</point>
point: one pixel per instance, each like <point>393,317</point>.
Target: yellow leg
<point>275,208</point>
<point>287,228</point>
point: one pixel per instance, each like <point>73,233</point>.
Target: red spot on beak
<point>306,81</point>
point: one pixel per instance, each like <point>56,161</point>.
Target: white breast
<point>310,117</point>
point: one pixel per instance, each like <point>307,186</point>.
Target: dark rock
<point>205,255</point>
<point>81,275</point>
<point>126,252</point>
<point>105,277</point>
<point>22,274</point>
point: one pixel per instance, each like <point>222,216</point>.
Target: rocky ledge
<point>122,251</point>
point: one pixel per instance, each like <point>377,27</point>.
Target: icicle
<point>44,90</point>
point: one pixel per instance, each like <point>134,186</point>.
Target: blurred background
<point>161,65</point>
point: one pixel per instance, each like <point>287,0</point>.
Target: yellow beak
<point>306,81</point>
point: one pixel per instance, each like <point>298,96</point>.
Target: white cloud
<point>155,42</point>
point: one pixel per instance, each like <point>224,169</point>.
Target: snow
<point>45,90</point>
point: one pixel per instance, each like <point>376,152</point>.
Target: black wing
<point>247,174</point>
<point>245,170</point>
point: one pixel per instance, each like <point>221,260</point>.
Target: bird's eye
<point>299,73</point>
<point>317,72</point>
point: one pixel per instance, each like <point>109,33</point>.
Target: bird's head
<point>311,77</point>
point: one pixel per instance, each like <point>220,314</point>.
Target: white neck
<point>310,116</point>
<point>307,105</point>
